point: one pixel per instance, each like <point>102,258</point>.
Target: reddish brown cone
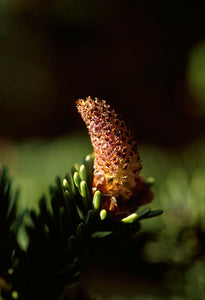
<point>117,162</point>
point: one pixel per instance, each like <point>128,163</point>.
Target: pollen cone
<point>117,162</point>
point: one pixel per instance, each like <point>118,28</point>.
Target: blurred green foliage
<point>180,232</point>
<point>36,163</point>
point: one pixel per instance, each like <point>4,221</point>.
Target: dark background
<point>134,54</point>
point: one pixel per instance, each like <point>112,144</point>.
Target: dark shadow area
<point>135,55</point>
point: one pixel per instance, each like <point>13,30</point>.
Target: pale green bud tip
<point>10,271</point>
<point>14,295</point>
<point>103,214</point>
<point>82,172</point>
<point>97,200</point>
<point>84,189</point>
<point>76,166</point>
<point>131,218</point>
<point>65,183</point>
<point>150,181</point>
<point>88,157</point>
<point>82,186</point>
<point>76,179</point>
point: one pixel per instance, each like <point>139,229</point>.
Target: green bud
<point>65,184</point>
<point>14,295</point>
<point>89,217</point>
<point>97,200</point>
<point>85,194</point>
<point>88,157</point>
<point>77,180</point>
<point>150,181</point>
<point>84,189</point>
<point>10,271</point>
<point>103,214</point>
<point>131,218</point>
<point>76,167</point>
<point>82,172</point>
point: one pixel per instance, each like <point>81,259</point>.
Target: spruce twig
<point>88,211</point>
